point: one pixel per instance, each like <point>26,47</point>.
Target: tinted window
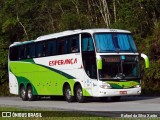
<point>51,48</point>
<point>21,54</point>
<point>87,42</point>
<point>74,44</point>
<point>88,55</point>
<point>61,46</point>
<point>64,45</point>
<point>13,53</point>
<point>30,51</point>
<point>40,49</point>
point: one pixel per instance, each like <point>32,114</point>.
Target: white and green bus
<point>76,64</point>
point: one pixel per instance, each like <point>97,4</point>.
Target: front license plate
<point>123,92</point>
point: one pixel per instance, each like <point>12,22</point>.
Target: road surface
<point>129,104</point>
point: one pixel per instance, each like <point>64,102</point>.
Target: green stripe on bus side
<point>58,71</point>
<point>120,85</point>
<point>25,82</point>
<point>45,80</point>
<point>86,93</point>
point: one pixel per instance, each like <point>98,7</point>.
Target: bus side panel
<point>66,66</point>
<point>13,84</point>
<point>48,79</point>
<point>43,79</point>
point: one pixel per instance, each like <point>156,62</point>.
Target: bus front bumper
<point>118,92</point>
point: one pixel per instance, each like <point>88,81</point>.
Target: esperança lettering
<point>63,62</point>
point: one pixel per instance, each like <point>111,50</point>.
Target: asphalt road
<point>136,106</point>
<point>129,104</point>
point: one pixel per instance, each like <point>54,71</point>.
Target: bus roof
<point>72,32</point>
<point>69,32</point>
<point>21,43</point>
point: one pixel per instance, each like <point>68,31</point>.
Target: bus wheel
<point>67,94</point>
<point>30,95</point>
<point>116,98</point>
<point>79,94</point>
<point>23,94</point>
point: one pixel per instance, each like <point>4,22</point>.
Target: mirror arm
<point>145,59</point>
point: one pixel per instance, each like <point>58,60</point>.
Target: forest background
<point>22,20</point>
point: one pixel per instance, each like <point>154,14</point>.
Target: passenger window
<point>21,53</point>
<point>73,44</point>
<point>27,51</point>
<point>61,46</point>
<point>51,48</point>
<point>41,49</point>
<point>32,51</point>
<point>13,53</point>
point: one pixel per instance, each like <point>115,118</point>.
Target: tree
<point>22,20</point>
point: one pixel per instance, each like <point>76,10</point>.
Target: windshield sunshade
<point>114,42</point>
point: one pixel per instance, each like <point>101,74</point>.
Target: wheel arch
<point>73,89</point>
<point>21,85</point>
<point>32,87</point>
<point>28,84</point>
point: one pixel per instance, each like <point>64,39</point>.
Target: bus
<point>76,64</point>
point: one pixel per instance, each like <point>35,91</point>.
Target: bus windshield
<point>113,67</point>
<point>114,42</point>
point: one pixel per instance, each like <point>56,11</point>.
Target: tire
<point>79,94</point>
<point>67,94</point>
<point>30,95</point>
<point>23,93</point>
<point>116,98</point>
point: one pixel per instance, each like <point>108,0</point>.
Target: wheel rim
<point>23,92</point>
<point>68,93</point>
<point>29,93</point>
<point>79,94</point>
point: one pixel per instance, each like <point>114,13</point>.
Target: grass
<point>57,115</point>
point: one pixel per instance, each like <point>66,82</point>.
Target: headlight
<point>105,85</point>
<point>137,86</point>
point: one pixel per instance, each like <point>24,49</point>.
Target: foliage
<point>27,19</point>
<point>151,47</point>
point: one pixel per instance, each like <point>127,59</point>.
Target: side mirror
<point>145,59</point>
<point>99,63</point>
